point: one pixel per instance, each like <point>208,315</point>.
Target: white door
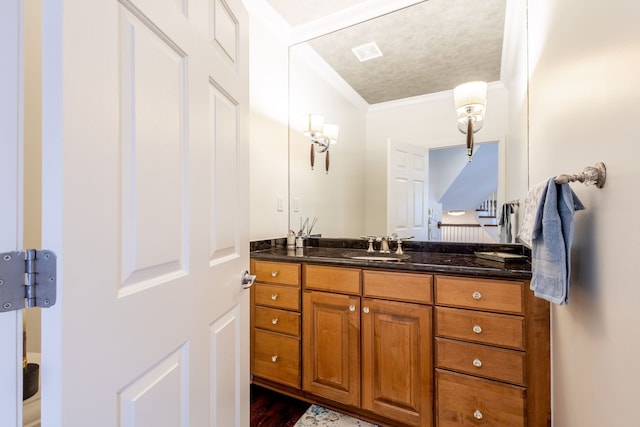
<point>145,202</point>
<point>407,195</point>
<point>11,27</point>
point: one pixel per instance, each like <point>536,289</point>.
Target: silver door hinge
<point>27,279</point>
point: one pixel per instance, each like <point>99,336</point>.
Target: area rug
<point>318,416</point>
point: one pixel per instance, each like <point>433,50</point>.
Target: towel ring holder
<point>591,175</point>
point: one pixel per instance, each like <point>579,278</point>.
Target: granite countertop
<point>418,257</point>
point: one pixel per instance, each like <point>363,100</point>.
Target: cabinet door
<point>396,361</point>
<point>331,346</point>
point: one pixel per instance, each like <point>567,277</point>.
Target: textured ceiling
<point>428,47</point>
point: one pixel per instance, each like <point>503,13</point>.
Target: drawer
<point>480,294</point>
<point>277,357</point>
<point>277,296</point>
<point>398,286</point>
<point>462,400</point>
<point>332,279</point>
<point>286,322</point>
<point>487,328</point>
<point>283,273</point>
<point>485,361</point>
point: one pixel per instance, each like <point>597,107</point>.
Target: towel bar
<point>591,175</point>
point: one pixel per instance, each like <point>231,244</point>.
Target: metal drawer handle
<point>477,363</point>
<point>477,329</point>
<point>274,296</point>
<point>352,308</point>
<point>274,358</point>
<point>274,320</point>
<point>476,295</point>
<point>274,273</point>
<point>365,309</point>
<point>477,414</point>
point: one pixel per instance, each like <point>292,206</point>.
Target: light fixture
<point>322,136</point>
<point>471,102</point>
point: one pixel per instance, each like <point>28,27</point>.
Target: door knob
<point>247,279</point>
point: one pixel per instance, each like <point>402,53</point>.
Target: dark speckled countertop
<point>431,257</point>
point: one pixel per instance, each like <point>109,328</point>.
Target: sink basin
<point>377,257</point>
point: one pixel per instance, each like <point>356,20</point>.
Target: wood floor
<point>271,409</point>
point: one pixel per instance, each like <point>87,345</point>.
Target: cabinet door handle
<point>274,296</point>
<point>477,329</point>
<point>477,363</point>
<point>274,273</point>
<point>274,358</point>
<point>365,309</point>
<point>352,307</point>
<point>477,414</point>
<point>274,320</point>
<point>476,295</point>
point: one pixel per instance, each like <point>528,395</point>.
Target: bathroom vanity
<point>438,337</point>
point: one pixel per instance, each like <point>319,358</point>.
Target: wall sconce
<point>322,136</point>
<point>471,102</point>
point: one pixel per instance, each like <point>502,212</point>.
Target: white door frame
<point>11,154</point>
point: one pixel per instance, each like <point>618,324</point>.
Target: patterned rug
<point>318,416</point>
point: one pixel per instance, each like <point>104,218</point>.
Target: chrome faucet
<point>384,242</point>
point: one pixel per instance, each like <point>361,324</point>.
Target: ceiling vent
<point>367,51</point>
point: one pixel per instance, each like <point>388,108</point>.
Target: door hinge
<point>27,279</point>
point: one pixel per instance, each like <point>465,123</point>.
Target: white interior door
<point>407,194</point>
<point>11,29</point>
<point>145,203</point>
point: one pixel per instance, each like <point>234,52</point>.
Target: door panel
<point>158,396</point>
<point>153,85</point>
<point>407,196</point>
<point>331,346</point>
<point>396,361</point>
<point>148,212</point>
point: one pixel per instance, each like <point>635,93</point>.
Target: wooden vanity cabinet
<point>492,354</point>
<point>401,348</point>
<point>364,348</point>
<point>275,322</point>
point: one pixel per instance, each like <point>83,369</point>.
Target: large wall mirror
<point>399,163</point>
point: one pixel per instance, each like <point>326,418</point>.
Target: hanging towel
<point>531,203</point>
<point>552,236</point>
<point>505,222</point>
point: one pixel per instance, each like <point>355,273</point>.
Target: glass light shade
<point>470,97</point>
<point>331,132</point>
<point>312,124</point>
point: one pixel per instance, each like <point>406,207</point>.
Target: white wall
<point>584,90</point>
<point>269,133</point>
<point>336,198</point>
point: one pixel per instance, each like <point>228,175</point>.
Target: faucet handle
<point>370,239</point>
<point>400,240</point>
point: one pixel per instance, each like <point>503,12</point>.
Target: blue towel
<point>551,242</point>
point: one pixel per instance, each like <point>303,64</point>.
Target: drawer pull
<point>274,321</point>
<point>477,363</point>
<point>365,309</point>
<point>352,307</point>
<point>477,329</point>
<point>476,295</point>
<point>274,296</point>
<point>477,414</point>
<point>274,358</point>
<point>274,273</point>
